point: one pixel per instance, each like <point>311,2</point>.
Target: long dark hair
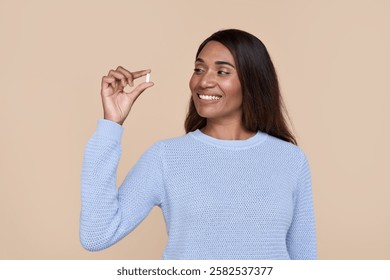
<point>262,104</point>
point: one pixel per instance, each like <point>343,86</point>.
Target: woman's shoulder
<point>284,147</point>
<point>176,141</point>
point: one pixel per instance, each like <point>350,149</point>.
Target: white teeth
<point>209,97</point>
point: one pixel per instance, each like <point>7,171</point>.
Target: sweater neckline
<point>254,140</point>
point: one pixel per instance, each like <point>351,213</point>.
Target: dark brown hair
<point>262,104</point>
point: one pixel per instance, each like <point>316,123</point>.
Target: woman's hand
<point>116,102</point>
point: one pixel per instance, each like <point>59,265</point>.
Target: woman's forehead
<point>214,51</point>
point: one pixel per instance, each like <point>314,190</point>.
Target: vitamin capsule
<point>148,77</point>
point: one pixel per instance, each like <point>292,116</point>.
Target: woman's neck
<point>230,131</point>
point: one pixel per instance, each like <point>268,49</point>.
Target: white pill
<point>148,78</point>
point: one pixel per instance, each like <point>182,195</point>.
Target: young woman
<point>235,186</point>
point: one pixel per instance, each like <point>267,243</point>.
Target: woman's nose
<point>207,80</point>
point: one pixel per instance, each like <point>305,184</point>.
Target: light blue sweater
<point>221,199</point>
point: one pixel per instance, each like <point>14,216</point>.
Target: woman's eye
<point>197,70</point>
<point>221,72</point>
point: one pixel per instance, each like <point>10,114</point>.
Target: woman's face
<point>215,86</point>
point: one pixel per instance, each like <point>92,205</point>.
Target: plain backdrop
<point>332,58</point>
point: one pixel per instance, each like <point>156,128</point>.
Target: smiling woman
<point>241,60</point>
<point>235,186</point>
<point>216,89</point>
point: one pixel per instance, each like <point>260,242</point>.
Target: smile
<point>209,97</point>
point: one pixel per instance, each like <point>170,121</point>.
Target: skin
<point>116,102</point>
<point>215,74</point>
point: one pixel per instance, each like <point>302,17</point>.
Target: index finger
<point>141,73</point>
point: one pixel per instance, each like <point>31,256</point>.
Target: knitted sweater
<point>221,199</point>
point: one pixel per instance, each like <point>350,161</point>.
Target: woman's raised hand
<point>116,102</point>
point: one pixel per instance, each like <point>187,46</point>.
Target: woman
<point>236,186</point>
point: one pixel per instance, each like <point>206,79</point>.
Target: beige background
<point>333,61</point>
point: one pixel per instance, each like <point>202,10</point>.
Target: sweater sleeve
<point>108,214</point>
<point>301,236</point>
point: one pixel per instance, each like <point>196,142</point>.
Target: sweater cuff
<point>109,129</point>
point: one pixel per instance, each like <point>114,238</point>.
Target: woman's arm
<point>301,237</point>
<point>109,214</point>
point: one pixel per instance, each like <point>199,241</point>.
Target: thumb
<point>140,89</point>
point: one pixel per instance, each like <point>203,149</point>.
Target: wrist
<point>112,119</point>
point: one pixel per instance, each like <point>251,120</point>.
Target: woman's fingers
<point>116,102</point>
<point>140,89</point>
<point>141,73</point>
<point>107,81</point>
<point>125,77</point>
<point>118,79</point>
<point>131,76</point>
<point>119,76</point>
<point>127,74</point>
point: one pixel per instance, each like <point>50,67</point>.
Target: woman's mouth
<point>209,97</point>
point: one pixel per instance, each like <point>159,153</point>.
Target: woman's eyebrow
<point>218,62</point>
